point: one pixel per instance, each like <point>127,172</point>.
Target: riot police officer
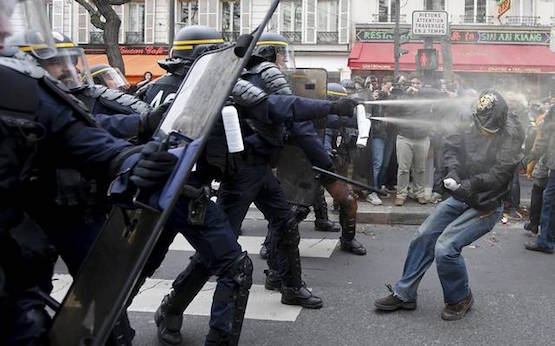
<point>110,77</point>
<point>68,136</point>
<point>270,49</point>
<point>190,42</point>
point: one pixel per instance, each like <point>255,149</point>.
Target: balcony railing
<point>476,19</point>
<point>293,36</point>
<point>230,36</point>
<point>136,37</point>
<point>96,37</point>
<point>523,20</point>
<point>327,37</point>
<point>383,18</point>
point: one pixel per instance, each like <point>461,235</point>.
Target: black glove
<point>153,166</point>
<point>344,107</point>
<point>150,120</point>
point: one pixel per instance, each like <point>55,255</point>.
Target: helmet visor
<point>69,66</point>
<point>29,20</point>
<point>110,77</point>
<point>283,53</point>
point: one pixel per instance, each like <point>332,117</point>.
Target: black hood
<point>490,111</point>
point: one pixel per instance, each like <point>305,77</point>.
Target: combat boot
<point>347,239</point>
<point>168,322</point>
<point>300,296</point>
<point>323,223</point>
<point>273,282</point>
<point>217,337</point>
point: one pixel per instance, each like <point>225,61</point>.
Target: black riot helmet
<point>110,77</point>
<point>336,91</point>
<point>190,42</point>
<point>275,48</point>
<point>490,111</point>
<point>68,63</point>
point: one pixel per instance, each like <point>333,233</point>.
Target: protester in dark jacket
<point>480,160</point>
<point>546,146</point>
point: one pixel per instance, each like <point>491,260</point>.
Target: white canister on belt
<point>232,129</point>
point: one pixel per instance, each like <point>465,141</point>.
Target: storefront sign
<point>131,50</point>
<point>463,36</point>
<point>378,35</point>
<point>503,6</point>
<point>467,36</point>
<point>430,23</point>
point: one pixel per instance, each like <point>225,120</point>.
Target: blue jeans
<point>451,226</point>
<point>378,149</point>
<point>546,239</point>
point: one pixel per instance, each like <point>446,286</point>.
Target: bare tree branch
<point>96,17</point>
<point>118,2</point>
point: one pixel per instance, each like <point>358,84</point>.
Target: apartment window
<point>291,20</point>
<point>189,12</point>
<point>386,11</point>
<point>475,11</point>
<point>135,23</point>
<point>231,20</point>
<point>328,14</point>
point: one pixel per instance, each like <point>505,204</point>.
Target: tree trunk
<point>111,34</point>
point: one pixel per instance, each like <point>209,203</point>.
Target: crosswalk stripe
<point>262,305</point>
<point>308,247</point>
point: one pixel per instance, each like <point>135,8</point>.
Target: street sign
<point>430,23</point>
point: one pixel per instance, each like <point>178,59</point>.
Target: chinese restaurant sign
<point>131,50</point>
<point>503,6</point>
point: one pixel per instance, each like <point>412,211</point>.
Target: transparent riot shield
<point>294,169</point>
<point>112,267</point>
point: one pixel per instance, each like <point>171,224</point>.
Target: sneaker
<point>457,311</point>
<point>392,303</point>
<point>422,200</point>
<point>374,199</point>
<point>399,201</point>
<point>533,246</point>
<point>436,198</point>
<point>390,189</point>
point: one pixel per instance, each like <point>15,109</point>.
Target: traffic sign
<point>430,23</point>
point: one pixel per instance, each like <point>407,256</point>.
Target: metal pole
<point>428,43</point>
<point>397,39</point>
<point>171,19</point>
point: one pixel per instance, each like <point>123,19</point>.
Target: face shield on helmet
<point>69,66</point>
<point>24,17</point>
<point>110,77</point>
<point>490,112</point>
<point>278,52</point>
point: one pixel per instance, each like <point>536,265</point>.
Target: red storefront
<point>482,58</point>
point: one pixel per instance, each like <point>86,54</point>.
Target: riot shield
<point>112,267</point>
<point>294,169</point>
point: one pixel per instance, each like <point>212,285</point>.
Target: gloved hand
<point>153,166</point>
<point>344,107</point>
<point>150,120</point>
<point>451,184</point>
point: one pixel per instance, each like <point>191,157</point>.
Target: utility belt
<point>250,158</point>
<point>199,198</point>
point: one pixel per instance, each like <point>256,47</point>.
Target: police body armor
<point>298,180</point>
<point>99,96</point>
<point>161,90</point>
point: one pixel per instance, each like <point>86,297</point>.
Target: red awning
<point>135,65</point>
<point>466,57</point>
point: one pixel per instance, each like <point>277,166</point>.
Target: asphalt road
<point>513,289</point>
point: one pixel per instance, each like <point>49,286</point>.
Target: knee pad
<point>241,271</point>
<point>291,237</point>
<point>301,212</point>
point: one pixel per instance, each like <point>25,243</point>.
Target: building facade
<point>323,32</point>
